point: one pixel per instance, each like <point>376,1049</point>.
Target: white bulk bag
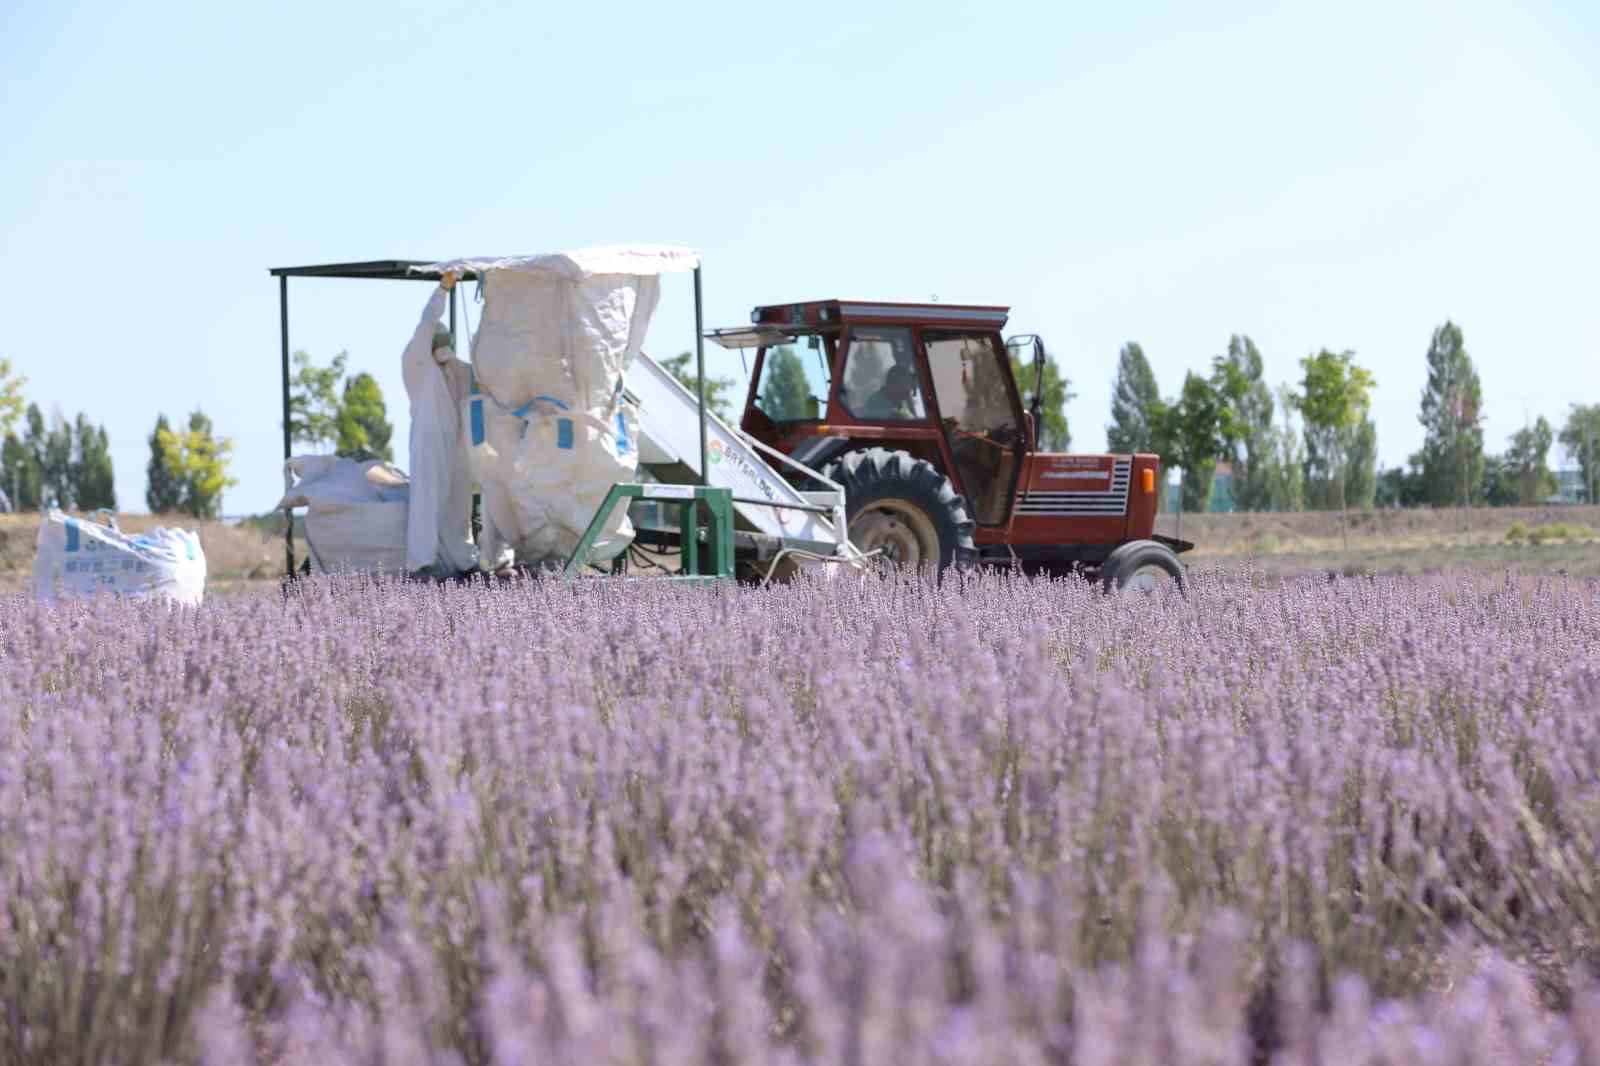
<point>75,557</point>
<point>549,429</point>
<point>569,324</point>
<point>545,469</point>
<point>355,512</point>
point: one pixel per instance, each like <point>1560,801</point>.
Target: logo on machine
<point>1076,475</point>
<point>715,449</point>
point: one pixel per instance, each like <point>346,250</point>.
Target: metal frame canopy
<point>426,270</point>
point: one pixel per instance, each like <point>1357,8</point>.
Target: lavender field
<point>878,822</point>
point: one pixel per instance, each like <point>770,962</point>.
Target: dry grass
<point>1402,541</point>
<point>242,559</point>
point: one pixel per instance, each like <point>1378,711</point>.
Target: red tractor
<point>914,410</point>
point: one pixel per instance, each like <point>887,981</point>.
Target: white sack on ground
<point>439,516</point>
<point>549,430</point>
<point>355,512</point>
<point>78,557</point>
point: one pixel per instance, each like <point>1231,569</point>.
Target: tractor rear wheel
<point>1142,566</point>
<point>904,509</point>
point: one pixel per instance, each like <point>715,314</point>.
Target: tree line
<point>1314,446</point>
<point>1289,448</point>
<point>59,463</point>
<point>68,464</point>
<point>1307,445</point>
<point>188,469</point>
<point>329,409</point>
<point>1311,445</point>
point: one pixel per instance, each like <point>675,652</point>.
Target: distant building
<point>1222,488</point>
<point>1569,487</point>
<point>1221,491</point>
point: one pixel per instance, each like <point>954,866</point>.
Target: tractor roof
<point>775,323</point>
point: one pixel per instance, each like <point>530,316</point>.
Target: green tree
<point>92,476</point>
<point>1401,486</point>
<point>11,403</point>
<point>1361,466</point>
<point>1134,397</point>
<point>717,389</point>
<point>163,492</point>
<point>56,463</point>
<point>785,392</point>
<point>363,425</point>
<point>1452,418</point>
<point>1056,434</point>
<point>314,400</point>
<point>1189,434</point>
<point>28,463</point>
<point>200,461</point>
<point>103,477</point>
<point>16,468</point>
<point>1246,422</point>
<point>1335,395</point>
<point>1527,463</point>
<point>1499,481</point>
<point>1580,436</point>
<point>1285,468</point>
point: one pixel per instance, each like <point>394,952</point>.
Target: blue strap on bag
<point>475,409</point>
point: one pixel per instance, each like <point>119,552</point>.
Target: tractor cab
<point>932,380</point>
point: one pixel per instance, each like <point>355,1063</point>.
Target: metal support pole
<point>689,537</point>
<point>283,328</point>
<point>700,371</point>
<point>477,497</point>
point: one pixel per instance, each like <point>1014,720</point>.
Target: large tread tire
<point>883,482</point>
<point>1125,568</point>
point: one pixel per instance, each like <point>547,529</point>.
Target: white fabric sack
<point>566,324</point>
<point>542,334</point>
<point>355,512</point>
<point>545,471</point>
<point>438,521</point>
<point>75,557</point>
<point>549,430</point>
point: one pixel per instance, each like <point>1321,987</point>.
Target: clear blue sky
<point>1313,175</point>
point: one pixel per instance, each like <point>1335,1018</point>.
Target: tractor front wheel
<point>905,510</point>
<point>1142,566</point>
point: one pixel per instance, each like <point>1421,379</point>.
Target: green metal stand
<point>719,526</point>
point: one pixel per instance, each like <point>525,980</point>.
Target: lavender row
<point>874,821</point>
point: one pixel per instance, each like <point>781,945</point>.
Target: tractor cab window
<point>794,383</point>
<point>978,417</point>
<point>880,376</point>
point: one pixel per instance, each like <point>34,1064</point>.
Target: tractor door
<point>980,415</point>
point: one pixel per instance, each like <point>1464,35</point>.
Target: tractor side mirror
<point>1033,438</point>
